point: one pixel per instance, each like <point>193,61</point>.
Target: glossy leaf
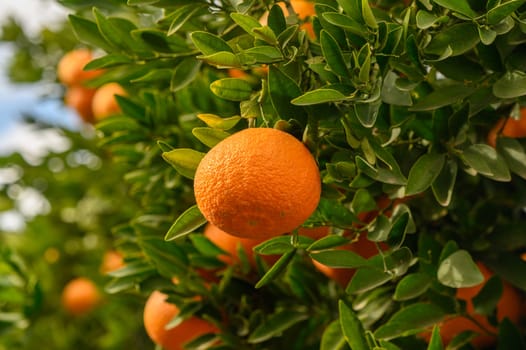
<point>367,278</point>
<point>442,97</point>
<point>424,172</point>
<point>333,338</point>
<point>510,85</point>
<point>444,185</point>
<point>328,242</point>
<point>88,32</point>
<point>503,10</point>
<point>458,270</point>
<point>276,269</point>
<point>412,286</point>
<point>339,258</point>
<point>276,324</point>
<point>184,160</point>
<point>282,90</point>
<point>186,223</point>
<point>459,38</point>
<point>208,43</point>
<point>209,136</point>
<point>352,327</point>
<point>232,89</point>
<point>409,320</point>
<point>486,161</point>
<point>319,96</point>
<point>217,122</point>
<point>333,54</point>
<point>514,154</point>
<point>184,73</point>
<point>435,343</point>
<point>460,6</point>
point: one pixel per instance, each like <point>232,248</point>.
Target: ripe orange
<point>70,69</point>
<point>508,306</point>
<point>362,246</point>
<point>158,313</point>
<point>257,183</point>
<point>80,296</point>
<point>508,127</point>
<point>79,98</point>
<point>111,261</point>
<point>230,245</point>
<point>104,103</point>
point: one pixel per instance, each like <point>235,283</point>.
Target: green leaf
<point>276,20</point>
<point>339,258</point>
<point>367,278</point>
<point>328,242</point>
<point>410,320</point>
<point>459,38</point>
<point>333,54</point>
<point>391,94</point>
<point>209,136</point>
<point>426,19</point>
<point>217,122</point>
<point>318,96</point>
<point>445,183</point>
<point>443,97</point>
<point>435,343</point>
<point>282,89</point>
<point>381,229</point>
<point>276,324</point>
<point>184,73</point>
<point>208,43</point>
<point>424,172</point>
<point>367,113</point>
<point>487,35</point>
<point>221,59</point>
<point>459,6</point>
<point>182,15</point>
<point>412,286</point>
<point>117,31</point>
<point>514,154</point>
<point>503,10</point>
<point>362,201</point>
<point>510,85</point>
<point>510,337</point>
<point>248,23</point>
<point>352,328</point>
<point>277,245</point>
<point>232,89</point>
<point>186,223</point>
<point>88,32</point>
<point>110,60</point>
<point>368,16</point>
<point>486,300</point>
<point>264,54</point>
<point>345,22</point>
<point>486,161</point>
<point>276,269</point>
<point>333,338</point>
<point>458,270</point>
<point>184,160</point>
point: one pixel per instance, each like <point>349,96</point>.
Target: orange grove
<point>70,69</point>
<point>104,103</point>
<point>158,313</point>
<point>79,98</point>
<point>80,296</point>
<point>257,183</point>
<point>509,127</point>
<point>509,306</point>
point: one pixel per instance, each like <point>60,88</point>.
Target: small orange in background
<point>230,245</point>
<point>158,313</point>
<point>258,183</point>
<point>80,296</point>
<point>111,261</point>
<point>70,69</point>
<point>509,127</point>
<point>509,306</point>
<point>104,103</point>
<point>79,98</point>
<point>303,8</point>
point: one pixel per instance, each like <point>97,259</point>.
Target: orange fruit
<point>111,261</point>
<point>237,73</point>
<point>80,296</point>
<point>508,306</point>
<point>230,245</point>
<point>362,246</point>
<point>509,127</point>
<point>79,98</point>
<point>257,183</point>
<point>158,313</point>
<point>104,103</point>
<point>70,69</point>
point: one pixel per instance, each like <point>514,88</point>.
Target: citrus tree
<point>316,175</point>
